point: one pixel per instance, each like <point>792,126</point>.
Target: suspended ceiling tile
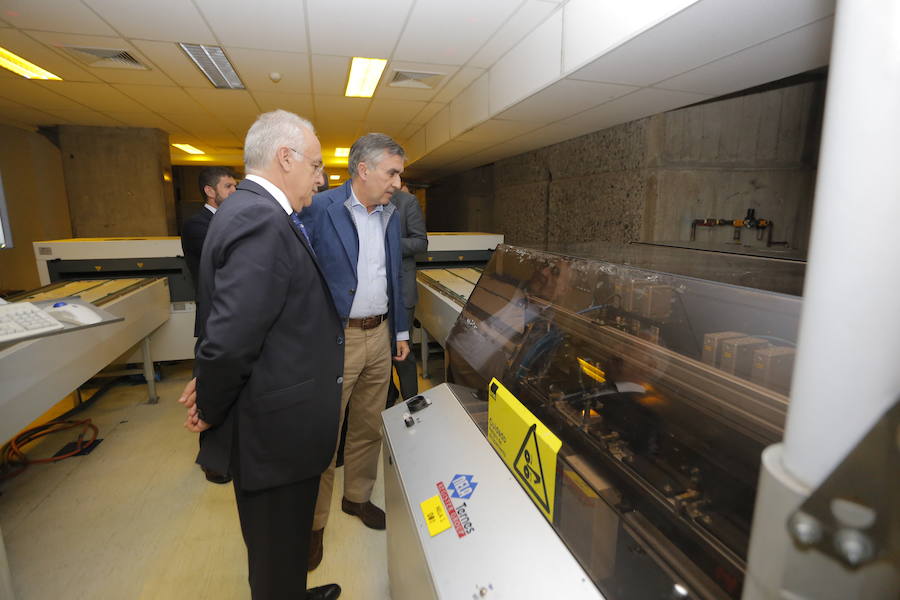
<point>148,76</point>
<point>97,96</point>
<point>224,102</point>
<point>161,99</point>
<point>89,118</point>
<point>496,131</point>
<point>394,110</point>
<point>330,74</point>
<point>410,130</point>
<point>390,128</point>
<point>642,103</point>
<point>457,83</point>
<point>801,50</point>
<point>594,28</point>
<point>514,30</point>
<point>531,65</point>
<point>27,115</point>
<point>470,107</point>
<point>563,99</point>
<point>427,113</point>
<point>43,56</point>
<point>164,20</point>
<point>333,108</point>
<point>415,146</point>
<point>300,104</point>
<point>701,33</point>
<point>437,131</point>
<point>198,124</point>
<point>170,59</point>
<point>450,33</point>
<point>370,30</point>
<point>385,90</point>
<point>53,15</point>
<point>337,132</point>
<point>143,119</point>
<point>32,93</point>
<point>264,24</point>
<point>255,66</point>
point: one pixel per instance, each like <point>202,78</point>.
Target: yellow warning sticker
<point>435,516</point>
<point>527,447</point>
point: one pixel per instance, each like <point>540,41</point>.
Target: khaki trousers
<point>367,371</point>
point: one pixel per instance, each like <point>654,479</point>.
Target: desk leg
<point>6,586</point>
<point>423,350</point>
<point>149,375</point>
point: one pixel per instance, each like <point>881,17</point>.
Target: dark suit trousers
<point>276,524</point>
<point>406,370</point>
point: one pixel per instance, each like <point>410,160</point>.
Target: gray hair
<point>369,149</point>
<point>271,131</point>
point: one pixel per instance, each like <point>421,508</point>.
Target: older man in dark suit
<point>270,356</point>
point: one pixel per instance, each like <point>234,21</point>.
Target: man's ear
<point>210,191</point>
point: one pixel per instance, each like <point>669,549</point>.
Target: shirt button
<point>340,380</point>
<point>352,291</point>
<point>340,340</point>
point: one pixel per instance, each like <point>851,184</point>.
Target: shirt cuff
<point>403,336</point>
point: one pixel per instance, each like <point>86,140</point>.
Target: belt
<point>367,322</point>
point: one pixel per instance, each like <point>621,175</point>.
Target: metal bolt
<point>805,528</point>
<point>854,546</point>
<point>483,592</point>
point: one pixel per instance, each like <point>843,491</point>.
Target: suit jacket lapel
<point>342,220</point>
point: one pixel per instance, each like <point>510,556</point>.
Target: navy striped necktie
<point>299,225</point>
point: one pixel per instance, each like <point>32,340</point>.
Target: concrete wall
<point>648,179</point>
<point>34,188</point>
<point>118,180</point>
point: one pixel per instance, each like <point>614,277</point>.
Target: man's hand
<point>402,351</point>
<point>193,422</point>
<point>189,395</point>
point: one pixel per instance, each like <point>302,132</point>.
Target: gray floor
<point>137,519</point>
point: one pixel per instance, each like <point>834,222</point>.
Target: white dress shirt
<point>274,190</point>
<point>210,208</point>
<point>371,298</point>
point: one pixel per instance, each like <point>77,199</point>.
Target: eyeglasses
<point>318,165</point>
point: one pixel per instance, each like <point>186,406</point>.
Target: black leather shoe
<point>214,477</point>
<point>371,515</point>
<point>331,591</point>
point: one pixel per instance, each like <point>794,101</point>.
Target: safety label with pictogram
<point>525,444</point>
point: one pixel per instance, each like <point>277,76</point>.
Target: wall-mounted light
<point>341,152</point>
<point>334,177</point>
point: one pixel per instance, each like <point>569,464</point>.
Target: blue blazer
<point>334,237</point>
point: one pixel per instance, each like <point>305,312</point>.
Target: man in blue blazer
<point>355,231</point>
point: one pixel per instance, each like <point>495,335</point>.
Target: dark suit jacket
<point>270,354</point>
<point>193,232</point>
<point>413,240</point>
<point>334,237</point>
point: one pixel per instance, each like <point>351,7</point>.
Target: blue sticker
<point>462,486</point>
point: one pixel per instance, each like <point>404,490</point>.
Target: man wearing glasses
<point>356,235</point>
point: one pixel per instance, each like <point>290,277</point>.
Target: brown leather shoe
<point>316,550</point>
<point>371,515</point>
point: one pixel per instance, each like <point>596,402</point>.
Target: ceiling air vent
<point>108,58</point>
<point>416,79</point>
<point>214,64</point>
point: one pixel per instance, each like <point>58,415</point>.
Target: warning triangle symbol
<point>529,468</point>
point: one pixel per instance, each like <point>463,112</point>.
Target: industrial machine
<point>107,258</point>
<point>664,390</point>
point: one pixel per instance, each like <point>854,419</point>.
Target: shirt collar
<point>210,208</point>
<point>354,201</point>
<point>273,189</point>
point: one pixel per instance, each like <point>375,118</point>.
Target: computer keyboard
<point>21,320</point>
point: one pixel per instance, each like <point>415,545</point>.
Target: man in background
<point>270,356</point>
<point>356,235</point>
<point>216,184</point>
<point>413,240</point>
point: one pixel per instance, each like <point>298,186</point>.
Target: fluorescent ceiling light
<point>364,76</point>
<point>214,64</point>
<point>342,152</point>
<point>20,66</point>
<point>334,177</point>
<point>189,149</point>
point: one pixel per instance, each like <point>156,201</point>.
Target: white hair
<point>271,131</point>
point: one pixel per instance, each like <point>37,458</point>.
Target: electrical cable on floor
<point>13,460</point>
